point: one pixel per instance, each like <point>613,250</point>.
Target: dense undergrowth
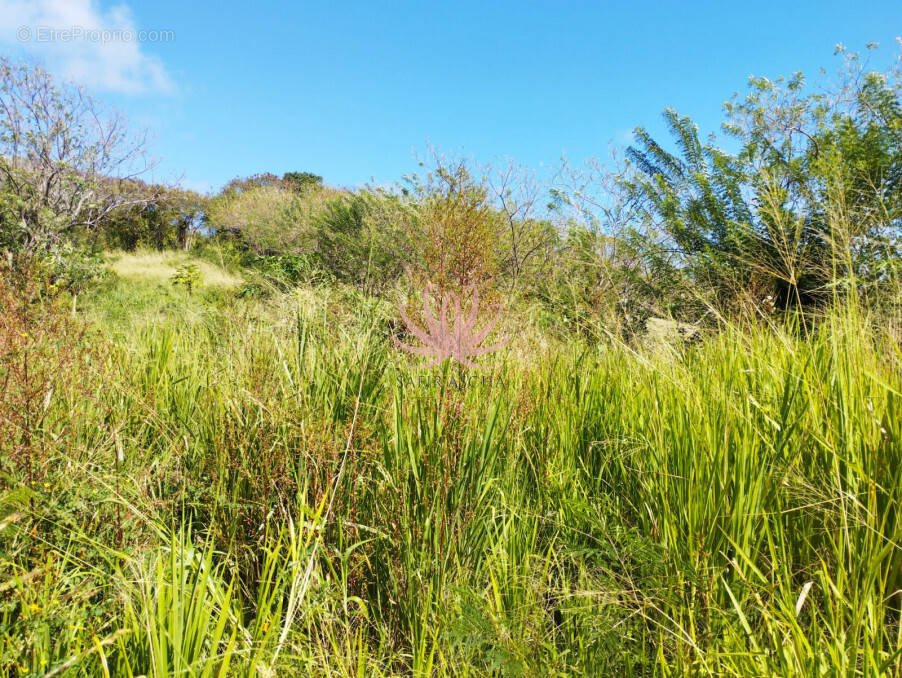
<point>203,484</point>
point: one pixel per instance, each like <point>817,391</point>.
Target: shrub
<point>365,239</point>
<point>187,276</point>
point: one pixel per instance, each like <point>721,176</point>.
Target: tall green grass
<point>259,490</point>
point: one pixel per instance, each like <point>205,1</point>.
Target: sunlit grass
<point>251,490</point>
<point>159,267</point>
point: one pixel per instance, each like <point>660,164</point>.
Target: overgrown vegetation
<point>214,461</point>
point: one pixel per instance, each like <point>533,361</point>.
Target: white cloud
<point>101,50</point>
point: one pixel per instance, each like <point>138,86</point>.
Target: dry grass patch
<point>160,267</point>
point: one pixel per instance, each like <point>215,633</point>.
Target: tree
<point>458,230</point>
<point>261,217</point>
<point>266,215</point>
<point>610,270</point>
<point>529,238</point>
<point>301,182</point>
<point>171,217</point>
<point>808,203</point>
<point>66,162</point>
<point>243,184</point>
<point>365,238</point>
<point>699,199</point>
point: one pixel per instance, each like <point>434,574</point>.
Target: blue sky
<point>353,90</point>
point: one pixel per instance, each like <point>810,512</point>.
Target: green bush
<point>187,276</point>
